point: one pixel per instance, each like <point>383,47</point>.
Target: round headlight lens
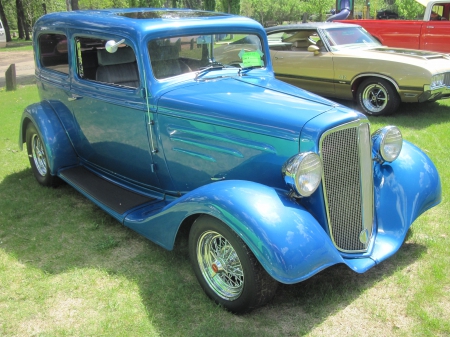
<point>303,173</point>
<point>387,143</point>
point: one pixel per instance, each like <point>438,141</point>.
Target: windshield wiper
<point>213,66</point>
<point>206,70</point>
<point>247,69</point>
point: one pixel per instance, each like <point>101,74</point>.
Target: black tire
<point>377,97</point>
<point>38,158</point>
<point>235,279</point>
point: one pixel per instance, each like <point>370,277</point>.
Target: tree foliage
<point>229,6</point>
<point>210,5</point>
<point>279,11</point>
<point>410,9</point>
<point>264,11</point>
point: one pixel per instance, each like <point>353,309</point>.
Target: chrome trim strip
<point>376,75</point>
<point>366,178</point>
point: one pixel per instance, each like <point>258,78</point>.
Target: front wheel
<point>225,267</point>
<point>377,97</point>
<point>38,158</point>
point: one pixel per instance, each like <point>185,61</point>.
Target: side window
<point>53,52</point>
<point>96,64</point>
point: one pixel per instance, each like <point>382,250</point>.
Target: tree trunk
<point>74,4</point>
<point>210,5</point>
<point>22,24</point>
<point>5,23</point>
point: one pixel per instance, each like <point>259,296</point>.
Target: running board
<point>104,192</point>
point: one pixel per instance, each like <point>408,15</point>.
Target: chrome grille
<point>348,185</point>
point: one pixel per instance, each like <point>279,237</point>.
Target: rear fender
<point>60,151</point>
<point>288,242</point>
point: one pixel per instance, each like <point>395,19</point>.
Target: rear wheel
<point>38,158</point>
<point>225,267</point>
<point>377,97</point>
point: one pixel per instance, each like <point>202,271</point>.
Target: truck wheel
<point>38,158</point>
<point>225,267</point>
<point>377,97</point>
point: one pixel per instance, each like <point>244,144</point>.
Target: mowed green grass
<point>68,269</point>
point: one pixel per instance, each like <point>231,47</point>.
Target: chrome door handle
<point>74,97</point>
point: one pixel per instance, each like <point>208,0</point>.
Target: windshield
<point>191,54</point>
<point>349,38</point>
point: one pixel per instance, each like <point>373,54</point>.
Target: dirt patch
<point>24,64</point>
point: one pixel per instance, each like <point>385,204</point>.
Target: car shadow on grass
<point>59,230</point>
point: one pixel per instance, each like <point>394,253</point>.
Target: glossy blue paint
<point>285,238</point>
<point>59,149</point>
<point>214,145</point>
<point>237,102</point>
<point>404,189</point>
<point>290,243</point>
<point>121,143</point>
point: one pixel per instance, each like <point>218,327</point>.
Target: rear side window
<point>53,52</point>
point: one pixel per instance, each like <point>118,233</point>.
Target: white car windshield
<point>349,38</point>
<point>185,54</point>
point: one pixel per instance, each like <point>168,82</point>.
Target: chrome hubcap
<point>375,98</point>
<point>38,153</point>
<point>220,265</point>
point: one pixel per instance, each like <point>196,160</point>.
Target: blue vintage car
<point>172,119</point>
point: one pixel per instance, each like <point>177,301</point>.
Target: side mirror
<point>111,46</point>
<point>314,49</point>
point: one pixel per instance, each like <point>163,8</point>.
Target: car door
<point>434,35</point>
<point>110,114</point>
<point>293,63</point>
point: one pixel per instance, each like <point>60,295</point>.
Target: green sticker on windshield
<point>251,58</point>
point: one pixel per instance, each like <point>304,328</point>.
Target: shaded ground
<point>24,66</point>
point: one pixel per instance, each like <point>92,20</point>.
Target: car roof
<point>310,26</point>
<point>143,20</point>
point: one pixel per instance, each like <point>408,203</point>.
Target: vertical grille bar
<point>348,187</point>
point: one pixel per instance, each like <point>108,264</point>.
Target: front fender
<point>404,189</point>
<point>59,149</point>
<point>288,242</point>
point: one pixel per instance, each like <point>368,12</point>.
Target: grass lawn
<point>68,269</point>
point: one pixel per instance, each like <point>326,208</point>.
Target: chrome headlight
<point>437,81</point>
<point>303,173</point>
<point>387,144</point>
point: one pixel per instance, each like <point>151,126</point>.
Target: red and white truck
<point>431,33</point>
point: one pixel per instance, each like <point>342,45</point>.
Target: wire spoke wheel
<point>226,268</point>
<point>38,154</point>
<point>220,265</point>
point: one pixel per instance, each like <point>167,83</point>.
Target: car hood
<point>434,62</point>
<point>262,105</point>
